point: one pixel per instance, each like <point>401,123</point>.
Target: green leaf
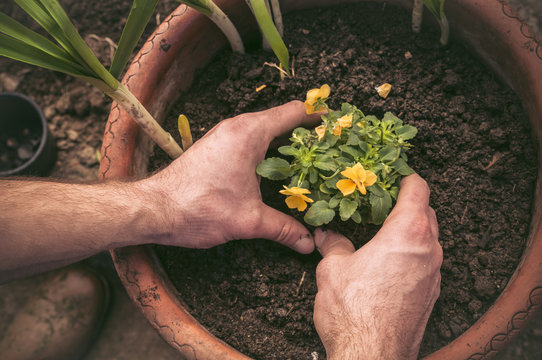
<point>353,139</point>
<point>50,15</point>
<point>17,31</point>
<point>376,190</point>
<point>350,151</point>
<point>401,167</point>
<point>288,150</point>
<point>319,214</point>
<point>274,169</point>
<point>347,208</point>
<point>135,25</point>
<point>200,6</point>
<point>406,132</point>
<point>271,33</point>
<point>436,7</point>
<point>313,175</point>
<point>20,51</point>
<point>390,119</point>
<point>356,217</point>
<point>389,153</point>
<point>335,200</point>
<point>324,162</point>
<point>380,207</point>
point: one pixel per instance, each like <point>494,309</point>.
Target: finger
<point>284,229</point>
<point>281,119</point>
<point>414,192</point>
<point>332,243</point>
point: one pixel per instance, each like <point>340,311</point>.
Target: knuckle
<point>323,270</point>
<point>420,227</point>
<point>285,234</point>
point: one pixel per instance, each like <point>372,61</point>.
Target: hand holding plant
<point>351,164</point>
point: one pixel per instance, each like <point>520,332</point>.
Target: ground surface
<point>76,115</point>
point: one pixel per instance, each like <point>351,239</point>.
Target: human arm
<point>374,303</point>
<point>208,196</point>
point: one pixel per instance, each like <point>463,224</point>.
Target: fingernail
<point>305,244</point>
<point>319,237</point>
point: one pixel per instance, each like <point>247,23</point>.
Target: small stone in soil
<point>24,152</point>
<point>12,143</point>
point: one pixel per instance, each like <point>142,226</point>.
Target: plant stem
<point>144,119</point>
<point>417,15</point>
<point>224,23</point>
<point>277,16</point>
<point>444,29</point>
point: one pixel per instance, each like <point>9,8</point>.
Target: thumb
<point>285,230</point>
<point>332,243</point>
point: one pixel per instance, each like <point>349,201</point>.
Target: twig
<point>300,283</point>
<point>464,213</point>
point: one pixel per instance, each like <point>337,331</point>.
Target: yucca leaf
<point>16,30</point>
<point>135,25</point>
<point>436,7</point>
<point>201,6</point>
<point>35,9</point>
<point>18,50</point>
<point>270,32</point>
<point>77,42</point>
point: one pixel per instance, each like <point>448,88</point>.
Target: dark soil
<point>474,147</point>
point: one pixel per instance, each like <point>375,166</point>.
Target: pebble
<point>24,152</point>
<point>87,156</point>
<point>9,82</point>
<point>72,134</point>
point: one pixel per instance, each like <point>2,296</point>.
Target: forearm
<point>45,224</point>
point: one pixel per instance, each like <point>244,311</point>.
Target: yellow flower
<point>357,178</point>
<point>342,122</point>
<point>314,95</point>
<point>296,198</point>
<point>345,121</point>
<point>337,130</point>
<point>383,90</point>
<point>320,131</point>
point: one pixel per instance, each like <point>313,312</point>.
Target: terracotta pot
<point>187,40</point>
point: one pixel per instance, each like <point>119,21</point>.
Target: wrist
<point>154,217</point>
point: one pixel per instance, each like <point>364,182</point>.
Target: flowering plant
<point>351,164</point>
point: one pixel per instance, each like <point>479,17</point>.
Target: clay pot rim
<point>137,266</point>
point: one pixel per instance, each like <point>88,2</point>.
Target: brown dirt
<point>474,148</point>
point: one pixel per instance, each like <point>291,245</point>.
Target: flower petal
<point>295,202</point>
<point>345,121</point>
<point>325,90</point>
<point>337,130</point>
<point>320,131</point>
<point>346,186</point>
<point>370,179</point>
<point>350,173</point>
<point>361,187</point>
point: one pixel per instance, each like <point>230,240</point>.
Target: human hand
<point>374,303</point>
<point>211,194</point>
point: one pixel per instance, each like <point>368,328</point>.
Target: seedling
<point>351,164</point>
<point>213,12</point>
<point>72,56</point>
<point>272,33</point>
<point>436,7</point>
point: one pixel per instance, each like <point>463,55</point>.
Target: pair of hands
<point>371,303</point>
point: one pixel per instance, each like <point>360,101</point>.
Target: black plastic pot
<point>26,144</point>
